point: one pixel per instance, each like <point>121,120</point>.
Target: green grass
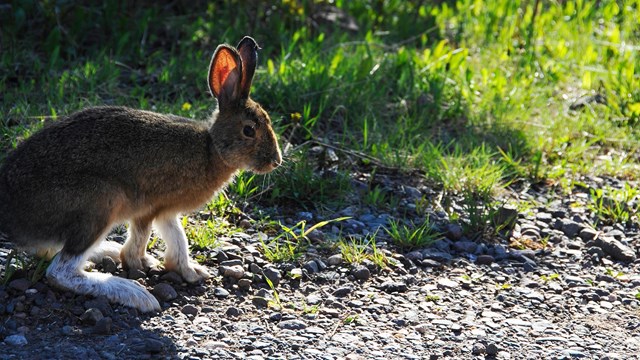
<point>356,251</point>
<point>476,94</point>
<point>412,235</point>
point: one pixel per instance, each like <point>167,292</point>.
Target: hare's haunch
<point>63,189</point>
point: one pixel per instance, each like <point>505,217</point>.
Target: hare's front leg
<point>177,253</point>
<point>134,252</point>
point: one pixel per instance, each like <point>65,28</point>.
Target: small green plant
<point>355,251</point>
<point>638,295</point>
<point>205,235</point>
<point>291,243</point>
<point>349,319</point>
<point>613,273</point>
<point>413,235</point>
<point>552,277</point>
<point>431,298</point>
<point>503,286</point>
<point>275,302</point>
<point>611,205</point>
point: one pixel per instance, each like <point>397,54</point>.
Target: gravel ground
<point>552,285</point>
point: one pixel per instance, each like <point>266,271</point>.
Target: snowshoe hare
<point>63,189</point>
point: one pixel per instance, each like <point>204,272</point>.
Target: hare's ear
<point>248,50</point>
<point>225,75</point>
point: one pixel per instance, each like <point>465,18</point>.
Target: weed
<point>613,206</point>
<point>413,235</point>
<point>349,319</point>
<point>205,235</point>
<point>552,277</point>
<point>432,298</point>
<point>613,273</point>
<point>355,251</point>
<point>503,286</point>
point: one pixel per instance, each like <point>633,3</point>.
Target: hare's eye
<point>249,131</point>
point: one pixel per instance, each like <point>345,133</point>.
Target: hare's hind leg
<point>66,271</point>
<point>134,252</point>
<point>106,248</point>
<point>177,253</point>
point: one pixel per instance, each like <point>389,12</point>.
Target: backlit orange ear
<point>225,74</point>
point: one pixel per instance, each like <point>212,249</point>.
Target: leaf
<point>634,108</point>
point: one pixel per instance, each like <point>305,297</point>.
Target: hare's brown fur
<point>67,185</point>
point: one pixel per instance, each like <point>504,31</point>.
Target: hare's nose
<point>277,160</point>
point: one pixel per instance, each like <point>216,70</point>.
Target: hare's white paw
<point>191,272</point>
<point>140,263</point>
<point>106,248</point>
<point>131,293</point>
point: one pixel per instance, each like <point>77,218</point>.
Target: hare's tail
<point>66,271</point>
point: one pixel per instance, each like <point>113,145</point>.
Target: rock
<point>292,324</point>
<point>335,260</point>
<point>172,277</point>
<point>415,256</point>
<point>91,316</point>
<point>361,272</point>
<point>445,283</point>
<point>109,265</point>
<point>313,299</point>
<point>478,349</point>
<point>311,267</point>
<point>588,234</point>
<point>234,272</point>
<point>436,255</point>
<point>465,246</point>
<point>273,275</point>
<point>492,349</point>
<point>20,284</point>
<point>484,260</point>
<point>220,293</point>
<point>453,231</point>
<point>153,346</point>
<point>103,326</point>
<point>233,311</point>
<point>135,274</point>
<point>571,228</point>
<point>164,292</point>
<point>505,218</point>
<point>189,309</point>
<point>244,284</point>
<point>342,291</point>
<point>615,249</point>
<point>394,286</point>
<point>16,340</point>
<point>245,224</point>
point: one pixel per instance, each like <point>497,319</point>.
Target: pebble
<point>103,326</point>
<point>20,284</point>
<point>342,291</point>
<point>311,267</point>
<point>220,293</point>
<point>234,271</point>
<point>484,260</point>
<point>292,324</point>
<point>273,275</point>
<point>361,272</point>
<point>109,265</point>
<point>164,292</point>
<point>16,340</point>
<point>334,260</point>
<point>91,316</point>
<point>615,249</point>
<point>172,277</point>
<point>189,309</point>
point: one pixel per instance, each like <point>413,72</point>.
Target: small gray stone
<point>135,274</point>
<point>220,293</point>
<point>109,265</point>
<point>190,309</point>
<point>453,231</point>
<point>273,275</point>
<point>505,217</point>
<point>20,284</point>
<point>16,340</point>
<point>415,256</point>
<point>103,326</point>
<point>445,283</point>
<point>153,346</point>
<point>394,286</point>
<point>233,311</point>
<point>588,234</point>
<point>91,316</point>
<point>234,272</point>
<point>465,246</point>
<point>492,349</point>
<point>615,249</point>
<point>244,284</point>
<point>313,299</point>
<point>311,267</point>
<point>485,260</point>
<point>342,291</point>
<point>436,255</point>
<point>335,260</point>
<point>172,277</point>
<point>571,228</point>
<point>361,272</point>
<point>478,349</point>
<point>164,292</point>
<point>292,324</point>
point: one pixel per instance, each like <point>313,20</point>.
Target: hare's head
<point>242,132</point>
